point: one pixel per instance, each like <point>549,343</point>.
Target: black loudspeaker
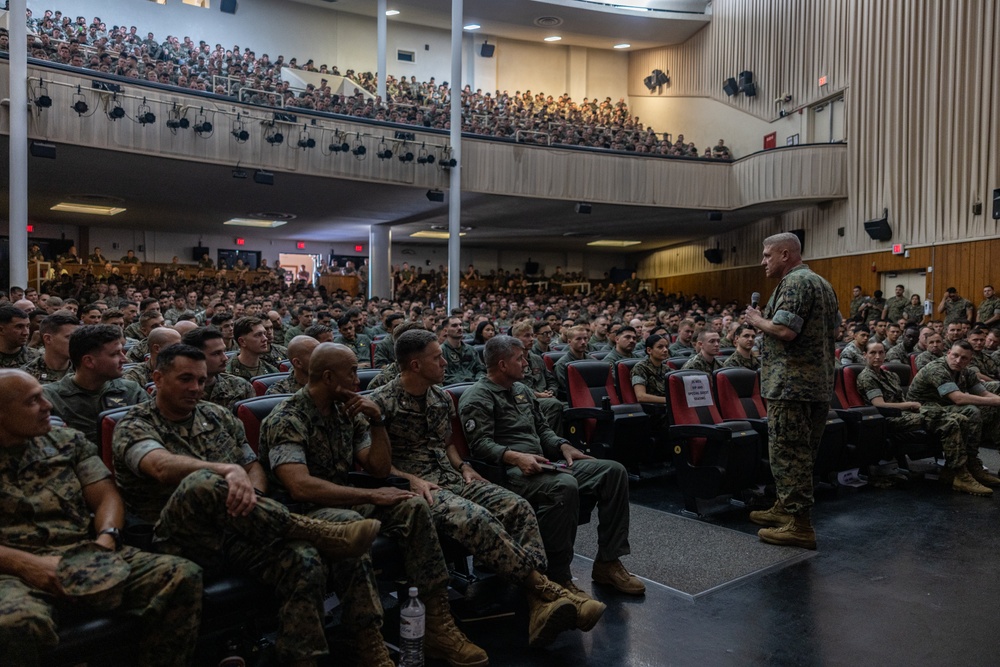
<point>715,216</point>
<point>879,229</point>
<point>228,6</point>
<point>531,268</point>
<point>746,78</point>
<point>801,234</point>
<point>198,252</point>
<point>996,204</point>
<point>730,86</point>
<point>714,256</point>
<point>486,50</point>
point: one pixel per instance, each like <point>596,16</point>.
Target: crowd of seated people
<point>523,116</point>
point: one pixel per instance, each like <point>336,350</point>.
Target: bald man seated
<point>159,338</point>
<point>300,350</point>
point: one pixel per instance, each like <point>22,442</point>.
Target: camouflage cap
<point>93,575</point>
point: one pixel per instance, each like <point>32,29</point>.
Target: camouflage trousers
<point>409,523</point>
<point>959,428</point>
<point>496,525</point>
<point>794,432</point>
<point>194,523</point>
<point>555,498</point>
<point>900,429</point>
<point>164,591</point>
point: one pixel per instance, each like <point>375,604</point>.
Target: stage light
<point>305,141</point>
<point>79,103</point>
<point>202,124</point>
<point>273,136</point>
<point>42,100</point>
<point>144,115</point>
<point>359,149</point>
<point>383,152</point>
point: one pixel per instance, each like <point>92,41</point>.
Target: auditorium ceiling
<point>171,195</point>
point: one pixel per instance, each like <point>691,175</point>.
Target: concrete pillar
<point>18,95</point>
<point>455,191</point>
<point>380,261</point>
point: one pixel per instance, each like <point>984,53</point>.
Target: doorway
<point>299,265</point>
<point>913,282</point>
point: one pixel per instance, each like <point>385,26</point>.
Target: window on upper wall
<point>405,56</point>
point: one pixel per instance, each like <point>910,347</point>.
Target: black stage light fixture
<point>730,86</point>
<point>383,152</point>
<point>144,114</point>
<point>240,174</point>
<point>116,112</point>
<point>423,156</point>
<point>42,100</point>
<point>305,141</point>
<point>263,177</point>
<point>201,124</point>
<point>584,208</point>
<point>359,149</point>
<point>406,155</point>
<point>435,195</point>
<point>273,136</point>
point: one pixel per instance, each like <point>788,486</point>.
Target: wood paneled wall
<point>964,266</point>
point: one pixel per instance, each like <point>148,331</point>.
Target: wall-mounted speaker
<point>879,229</point>
<point>801,234</point>
<point>714,256</point>
<point>486,50</point>
<point>715,216</point>
<point>730,86</point>
<point>199,251</point>
<point>228,6</point>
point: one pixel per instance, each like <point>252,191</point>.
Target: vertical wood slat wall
<point>923,118</point>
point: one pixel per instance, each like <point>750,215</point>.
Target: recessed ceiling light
<point>607,243</point>
<point>553,38</point>
<point>391,12</point>
<point>472,26</point>
<point>87,209</point>
<point>622,46</point>
<point>426,234</point>
<point>250,222</point>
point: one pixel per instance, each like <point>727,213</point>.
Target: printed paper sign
<point>698,390</point>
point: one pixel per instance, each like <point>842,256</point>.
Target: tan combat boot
<point>372,650</point>
<point>981,474</point>
<point>551,612</point>
<point>774,516</point>
<point>966,483</point>
<point>613,573</point>
<point>443,640</point>
<point>337,540</point>
<point>796,533</point>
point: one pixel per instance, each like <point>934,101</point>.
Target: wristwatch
<point>377,422</point>
<point>115,534</point>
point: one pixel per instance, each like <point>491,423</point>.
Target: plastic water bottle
<point>411,632</point>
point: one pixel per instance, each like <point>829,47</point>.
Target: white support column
<point>18,95</point>
<point>382,40</point>
<point>380,261</point>
<point>455,191</point>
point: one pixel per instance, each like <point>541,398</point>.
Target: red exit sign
<point>240,241</point>
<point>897,249</point>
<point>301,245</point>
<point>359,248</point>
<point>823,81</point>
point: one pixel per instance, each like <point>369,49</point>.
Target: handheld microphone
<point>754,299</point>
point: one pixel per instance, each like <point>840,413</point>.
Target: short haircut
<point>316,330</point>
<point>522,327</point>
<point>110,314</point>
<point>245,325</point>
<point>199,337</point>
<point>653,340</point>
<point>705,333</point>
<point>8,313</point>
<point>862,329</point>
<point>784,239</point>
<point>685,323</point>
<point>411,344</point>
<point>400,329</point>
<point>220,318</point>
<point>951,290</point>
<point>89,307</point>
<point>305,309</point>
<point>56,321</point>
<point>541,324</point>
<point>499,348</point>
<point>344,320</point>
<point>745,327</point>
<point>148,315</point>
<point>146,303</point>
<point>89,338</point>
<point>871,342</point>
<point>964,344</point>
<point>979,330</point>
<point>165,359</point>
<point>626,329</point>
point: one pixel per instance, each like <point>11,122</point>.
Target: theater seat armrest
<point>654,408</point>
<point>889,412</point>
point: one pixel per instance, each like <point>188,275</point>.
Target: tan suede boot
<point>350,539</point>
<point>966,483</point>
<point>372,650</point>
<point>774,516</point>
<point>443,640</point>
<point>796,533</point>
<point>551,611</point>
<point>981,474</point>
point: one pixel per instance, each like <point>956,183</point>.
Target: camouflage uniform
<point>361,346</point>
<point>464,365</point>
<point>562,375</point>
<point>387,375</point>
<point>985,364</point>
<point>289,385</point>
<point>496,525</point>
<point>894,307</point>
<point>737,360</point>
<point>699,363</point>
<point>192,520</point>
<point>956,310</point>
<point>679,349</point>
<point>925,358</point>
<point>39,370</point>
<point>539,378</point>
<point>275,355</point>
<point>80,408</point>
<point>595,345</point>
<point>614,356</point>
<point>497,419</point>
<point>290,334</point>
<point>960,427</point>
<point>854,307</point>
<point>851,355</point>
<point>385,352</point>
<point>141,374</point>
<point>21,358</point>
<point>877,382</point>
<point>914,313</point>
<point>41,496</point>
<point>296,432</point>
<point>235,367</point>
<point>654,379</point>
<point>227,391</point>
<point>137,353</point>
<point>133,331</point>
<point>898,352</point>
<point>797,381</point>
<point>988,308</point>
